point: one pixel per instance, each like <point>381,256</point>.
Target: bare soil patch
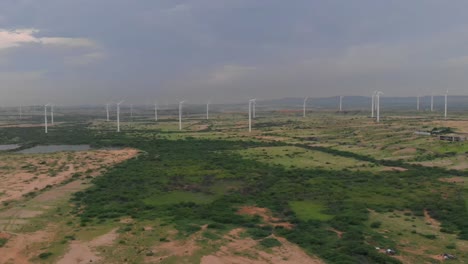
<point>393,169</point>
<point>21,247</point>
<point>244,251</point>
<point>84,252</point>
<point>458,180</point>
<point>405,151</point>
<point>24,174</point>
<point>265,214</point>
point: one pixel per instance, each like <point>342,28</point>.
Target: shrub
<point>270,242</point>
<point>45,255</point>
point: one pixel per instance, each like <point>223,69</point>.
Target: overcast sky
<point>93,51</point>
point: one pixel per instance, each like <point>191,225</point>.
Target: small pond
<point>9,147</point>
<point>54,148</point>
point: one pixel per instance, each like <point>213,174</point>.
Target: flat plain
<point>328,188</point>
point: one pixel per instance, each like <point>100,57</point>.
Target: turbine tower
<point>180,114</point>
<point>20,112</point>
<point>45,118</point>
<point>251,105</point>
<point>208,110</point>
<point>445,114</point>
<point>107,111</point>
<point>118,115</point>
<point>378,104</point>
<point>304,106</point>
<point>131,112</point>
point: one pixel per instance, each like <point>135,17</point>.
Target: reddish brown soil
<point>265,214</point>
<point>394,169</point>
<point>243,251</point>
<point>458,180</point>
<point>19,179</point>
<point>83,252</point>
<point>21,247</point>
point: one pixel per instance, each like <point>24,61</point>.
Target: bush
<point>3,241</point>
<point>45,255</point>
<point>376,224</point>
<point>270,242</point>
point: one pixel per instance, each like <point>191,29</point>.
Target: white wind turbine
<point>377,94</point>
<point>445,114</point>
<point>180,114</point>
<point>45,118</point>
<point>304,106</point>
<point>251,104</point>
<point>208,110</point>
<point>118,115</point>
<point>20,112</point>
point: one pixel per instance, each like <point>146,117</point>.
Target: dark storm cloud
<point>93,51</point>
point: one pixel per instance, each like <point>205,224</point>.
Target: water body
<point>9,147</point>
<point>54,148</point>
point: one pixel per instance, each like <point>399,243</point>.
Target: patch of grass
<point>307,210</point>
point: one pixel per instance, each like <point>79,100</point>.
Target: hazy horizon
<point>89,52</point>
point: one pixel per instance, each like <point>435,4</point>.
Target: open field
<point>328,188</point>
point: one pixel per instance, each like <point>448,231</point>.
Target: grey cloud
<point>232,49</point>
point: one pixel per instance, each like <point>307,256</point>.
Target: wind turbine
<point>180,114</point>
<point>377,94</point>
<point>118,115</point>
<point>20,112</point>
<point>45,118</point>
<point>131,112</point>
<point>304,106</point>
<point>107,111</point>
<point>251,104</point>
<point>341,103</point>
<point>445,114</point>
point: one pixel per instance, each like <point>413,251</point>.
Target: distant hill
<point>363,103</point>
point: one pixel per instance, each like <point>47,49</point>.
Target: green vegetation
<point>3,241</point>
<point>270,242</point>
<point>307,210</point>
<point>338,195</point>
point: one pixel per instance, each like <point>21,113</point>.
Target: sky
<point>71,52</point>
